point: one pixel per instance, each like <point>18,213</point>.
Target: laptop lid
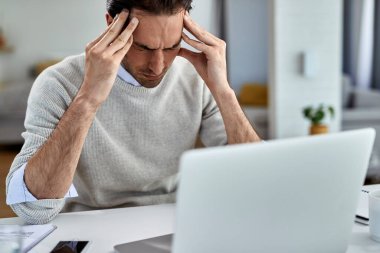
<point>295,195</point>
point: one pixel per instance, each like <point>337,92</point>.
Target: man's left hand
<point>210,63</point>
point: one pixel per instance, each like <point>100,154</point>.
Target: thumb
<point>187,54</point>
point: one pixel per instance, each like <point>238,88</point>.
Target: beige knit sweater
<point>131,153</point>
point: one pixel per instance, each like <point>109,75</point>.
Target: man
<point>114,122</point>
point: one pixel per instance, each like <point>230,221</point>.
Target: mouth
<point>152,77</point>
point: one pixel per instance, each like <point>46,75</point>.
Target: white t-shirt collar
<point>125,76</point>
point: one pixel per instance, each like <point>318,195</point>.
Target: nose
<point>157,63</point>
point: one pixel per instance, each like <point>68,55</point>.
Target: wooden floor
<point>7,155</point>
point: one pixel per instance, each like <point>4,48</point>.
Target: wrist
<point>86,103</point>
<point>224,93</point>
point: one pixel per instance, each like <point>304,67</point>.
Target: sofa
<point>13,103</point>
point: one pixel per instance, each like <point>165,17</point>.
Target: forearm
<point>238,128</point>
<point>50,171</point>
<point>211,65</point>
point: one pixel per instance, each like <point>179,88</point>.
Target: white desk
<point>106,228</point>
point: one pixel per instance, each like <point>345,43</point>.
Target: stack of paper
<point>31,234</point>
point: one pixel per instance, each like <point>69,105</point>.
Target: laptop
<point>292,195</point>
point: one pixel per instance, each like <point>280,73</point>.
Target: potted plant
<point>316,115</point>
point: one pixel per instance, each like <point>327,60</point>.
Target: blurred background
<point>283,56</point>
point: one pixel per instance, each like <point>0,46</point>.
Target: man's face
<point>156,42</point>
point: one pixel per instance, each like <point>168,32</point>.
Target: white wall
<point>298,26</point>
<point>204,13</point>
<point>247,33</point>
<point>41,29</point>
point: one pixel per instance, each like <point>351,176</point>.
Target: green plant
<point>317,114</point>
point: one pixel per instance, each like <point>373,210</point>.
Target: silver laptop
<point>294,195</point>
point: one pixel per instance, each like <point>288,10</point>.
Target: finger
<point>200,33</point>
<point>189,55</point>
<point>122,52</point>
<point>195,44</point>
<point>114,31</point>
<point>123,38</point>
<point>92,43</point>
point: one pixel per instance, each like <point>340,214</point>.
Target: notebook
<point>31,234</point>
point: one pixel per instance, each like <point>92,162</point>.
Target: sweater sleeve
<point>19,193</point>
<point>212,131</point>
<point>47,102</point>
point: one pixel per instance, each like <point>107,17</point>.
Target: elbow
<point>38,212</point>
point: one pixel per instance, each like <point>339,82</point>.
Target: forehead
<point>158,31</point>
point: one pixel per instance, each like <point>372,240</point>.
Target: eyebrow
<point>141,45</point>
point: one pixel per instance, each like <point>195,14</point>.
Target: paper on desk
<point>362,214</point>
<point>32,234</point>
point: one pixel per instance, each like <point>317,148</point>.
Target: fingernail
<point>126,11</point>
<point>134,20</point>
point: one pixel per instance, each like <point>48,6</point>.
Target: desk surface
<point>106,228</point>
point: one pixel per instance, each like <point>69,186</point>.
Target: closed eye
<point>171,49</point>
<point>142,47</point>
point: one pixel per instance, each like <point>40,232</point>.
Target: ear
<point>109,19</point>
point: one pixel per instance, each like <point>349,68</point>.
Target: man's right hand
<point>103,58</point>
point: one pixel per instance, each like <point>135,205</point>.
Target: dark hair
<point>158,7</point>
